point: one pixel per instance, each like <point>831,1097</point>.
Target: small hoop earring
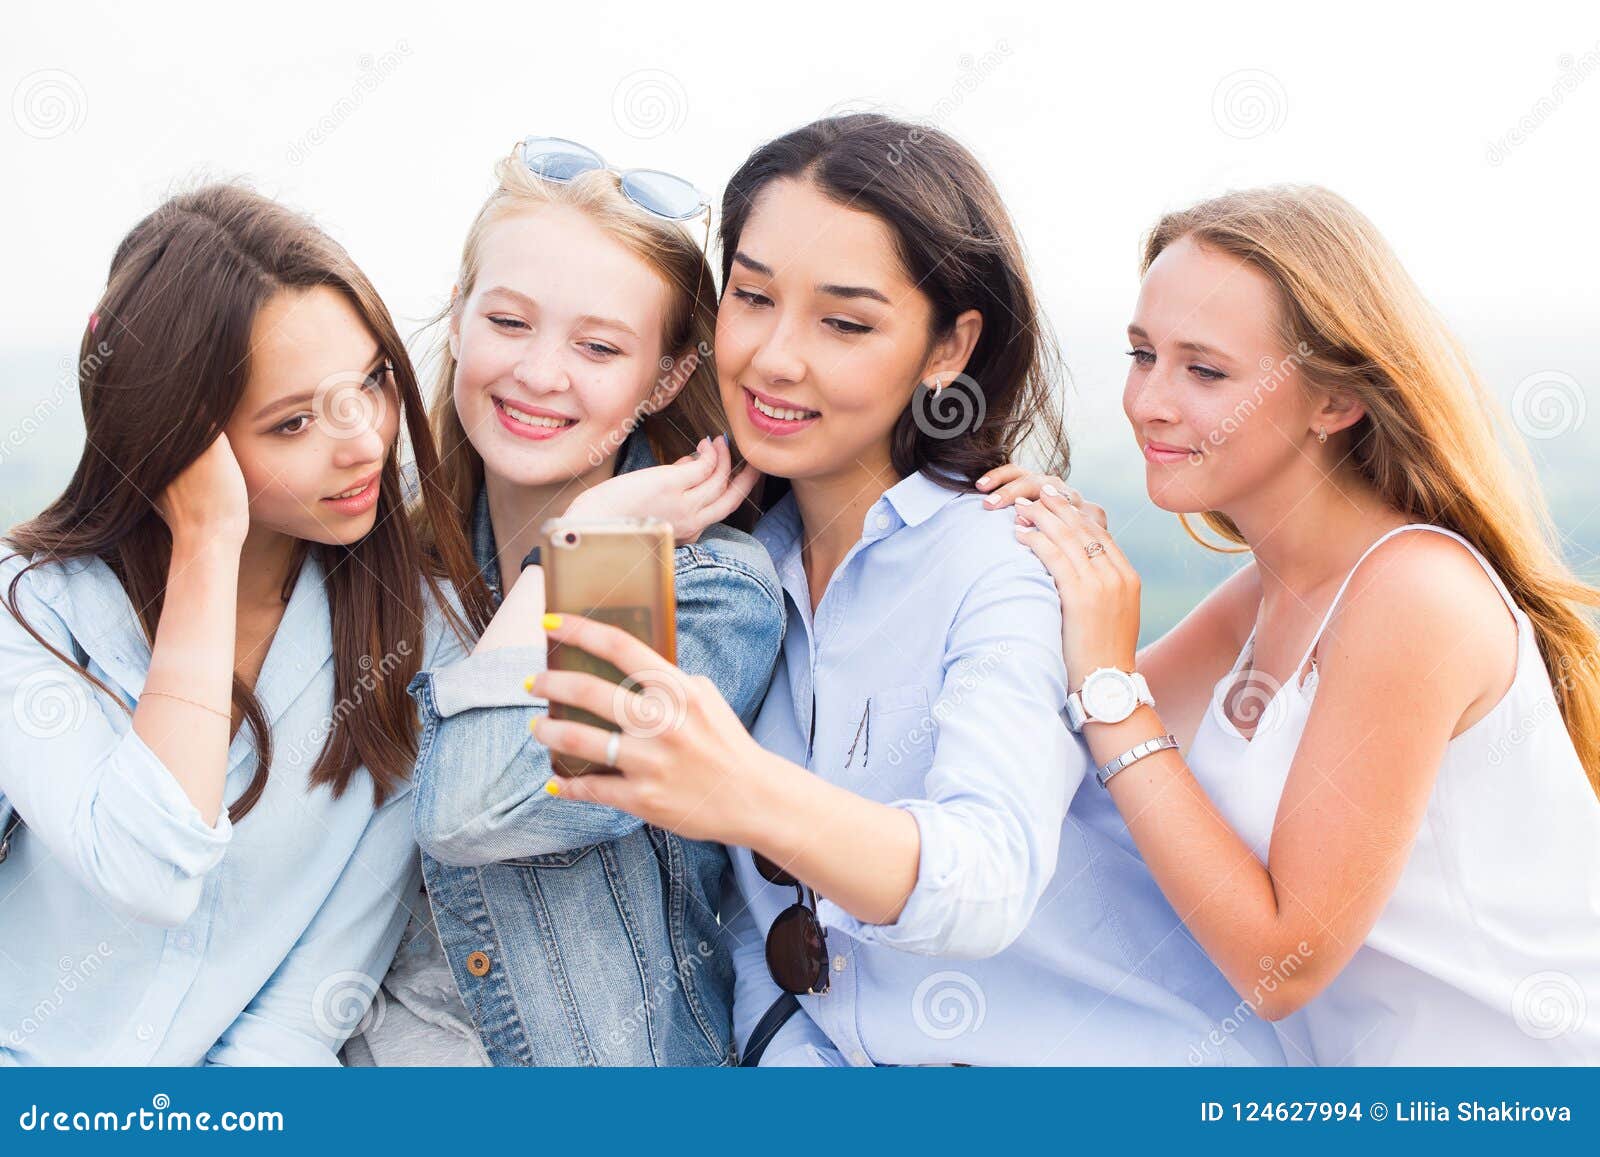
<point>1322,434</point>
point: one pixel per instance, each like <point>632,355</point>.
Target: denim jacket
<point>577,934</point>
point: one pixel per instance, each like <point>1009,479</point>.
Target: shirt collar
<point>910,502</point>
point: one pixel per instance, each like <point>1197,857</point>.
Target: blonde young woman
<point>576,359</point>
<point>1368,777</point>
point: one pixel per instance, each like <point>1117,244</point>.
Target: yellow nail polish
<point>533,726</point>
<point>527,684</point>
<point>552,787</point>
<point>551,622</point>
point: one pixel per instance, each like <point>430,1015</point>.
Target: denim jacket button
<point>478,964</point>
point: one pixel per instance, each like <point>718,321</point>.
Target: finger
<point>610,790</point>
<point>709,488</point>
<point>696,468</point>
<point>1056,530</point>
<point>734,496</point>
<point>612,644</point>
<point>588,741</point>
<point>999,476</point>
<point>581,690</point>
<point>1094,513</point>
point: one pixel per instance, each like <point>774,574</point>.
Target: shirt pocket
<point>564,859</point>
<point>897,731</point>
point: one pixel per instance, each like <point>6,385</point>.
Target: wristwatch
<point>1107,696</point>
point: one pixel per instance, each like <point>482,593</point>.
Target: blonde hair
<point>1432,443</point>
<point>689,322</point>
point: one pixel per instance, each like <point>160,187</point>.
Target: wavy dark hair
<point>958,245</point>
<point>192,276</point>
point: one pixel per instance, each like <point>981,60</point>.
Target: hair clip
<point>94,322</point>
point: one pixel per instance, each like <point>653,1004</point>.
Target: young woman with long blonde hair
<point>1371,786</point>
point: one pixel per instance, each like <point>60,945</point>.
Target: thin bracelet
<point>1134,755</point>
<point>228,715</point>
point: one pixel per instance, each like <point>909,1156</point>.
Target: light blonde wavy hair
<point>689,322</point>
<point>1433,443</point>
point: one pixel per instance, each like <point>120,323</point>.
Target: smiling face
<point>1217,403</point>
<point>317,419</point>
<point>821,338</point>
<point>557,346</point>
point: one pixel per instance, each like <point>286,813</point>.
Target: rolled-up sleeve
<point>1004,769</point>
<point>97,797</point>
<point>481,774</point>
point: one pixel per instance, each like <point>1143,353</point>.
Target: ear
<point>1337,412</point>
<point>455,322</point>
<point>950,354</point>
<point>675,374</point>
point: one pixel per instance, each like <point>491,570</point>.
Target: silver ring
<point>612,748</point>
<point>1094,549</point>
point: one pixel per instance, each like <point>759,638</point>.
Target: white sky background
<point>1092,121</point>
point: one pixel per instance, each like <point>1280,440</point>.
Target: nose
<point>364,446</point>
<point>777,359</point>
<point>1148,398</point>
<point>540,367</point>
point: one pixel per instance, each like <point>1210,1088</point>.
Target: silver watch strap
<point>1134,755</point>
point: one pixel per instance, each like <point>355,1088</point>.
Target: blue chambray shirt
<point>931,679</point>
<point>131,933</point>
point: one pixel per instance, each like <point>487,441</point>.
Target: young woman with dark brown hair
<point>209,635</point>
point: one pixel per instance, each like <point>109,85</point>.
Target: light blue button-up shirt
<point>131,932</point>
<point>931,679</point>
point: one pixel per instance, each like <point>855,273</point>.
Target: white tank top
<point>1488,952</point>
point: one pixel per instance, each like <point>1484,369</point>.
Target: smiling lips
<point>359,498</point>
<point>1164,454</point>
<point>531,421</point>
<point>771,416</point>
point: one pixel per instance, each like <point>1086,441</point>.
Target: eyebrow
<point>305,396</point>
<point>846,291</point>
<point>1191,346</point>
<point>591,319</point>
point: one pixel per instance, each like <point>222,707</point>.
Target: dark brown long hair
<point>160,371</point>
<point>958,245</point>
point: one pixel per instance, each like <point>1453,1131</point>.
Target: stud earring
<point>1322,434</point>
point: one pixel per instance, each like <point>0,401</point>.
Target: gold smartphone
<point>617,572</point>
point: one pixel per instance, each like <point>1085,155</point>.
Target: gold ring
<point>1092,549</point>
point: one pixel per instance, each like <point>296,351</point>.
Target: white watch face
<point>1109,696</point>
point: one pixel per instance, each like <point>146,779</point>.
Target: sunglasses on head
<point>556,159</point>
<point>797,945</point>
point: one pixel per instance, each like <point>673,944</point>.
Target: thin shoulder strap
<point>1483,562</point>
